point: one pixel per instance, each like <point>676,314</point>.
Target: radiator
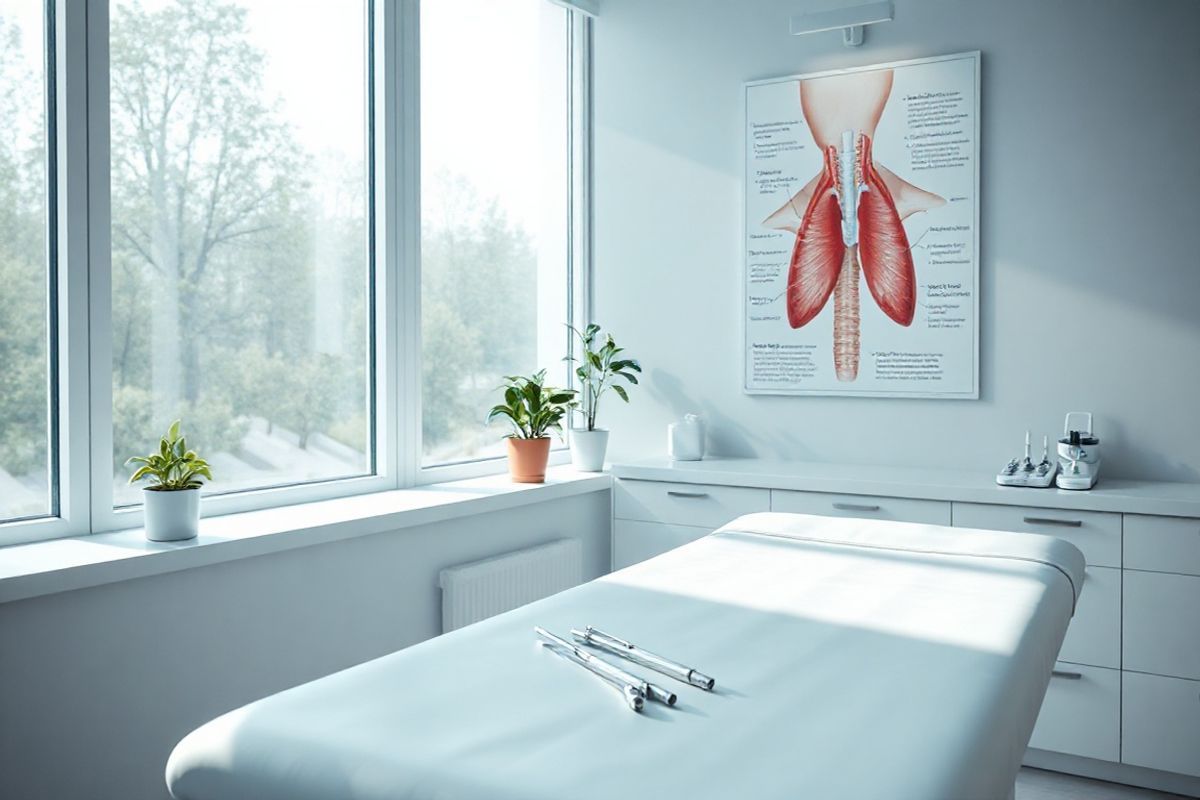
<point>482,589</point>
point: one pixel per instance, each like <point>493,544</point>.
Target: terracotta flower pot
<point>527,459</point>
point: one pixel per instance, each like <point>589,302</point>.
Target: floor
<point>1037,784</point>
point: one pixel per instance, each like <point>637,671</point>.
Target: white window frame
<point>84,356</point>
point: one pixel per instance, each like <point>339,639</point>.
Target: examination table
<point>852,658</point>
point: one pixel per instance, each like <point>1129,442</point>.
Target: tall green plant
<point>598,368</point>
<point>173,467</point>
<point>532,407</point>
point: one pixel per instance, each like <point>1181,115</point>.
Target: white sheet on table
<point>843,669</point>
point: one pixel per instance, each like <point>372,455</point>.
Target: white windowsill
<point>60,565</point>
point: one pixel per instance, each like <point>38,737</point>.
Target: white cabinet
<point>1162,624</point>
<point>1097,534</point>
<point>652,517</point>
<point>1081,714</point>
<point>700,505</point>
<point>1160,726</point>
<point>1094,635</point>
<point>635,541</point>
<point>826,504</point>
<point>1162,544</point>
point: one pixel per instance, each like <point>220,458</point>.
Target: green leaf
<point>140,473</point>
<point>628,377</point>
<point>620,390</point>
<point>173,431</point>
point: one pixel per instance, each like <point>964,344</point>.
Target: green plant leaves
<point>599,367</point>
<point>174,466</point>
<point>531,407</point>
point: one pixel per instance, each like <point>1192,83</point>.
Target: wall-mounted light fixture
<point>850,18</point>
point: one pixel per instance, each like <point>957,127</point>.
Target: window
<point>234,213</point>
<point>241,265</point>
<point>28,477</point>
<point>495,87</point>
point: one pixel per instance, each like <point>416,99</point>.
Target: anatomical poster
<point>862,231</point>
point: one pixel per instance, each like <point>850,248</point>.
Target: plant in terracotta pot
<point>599,366</point>
<point>534,410</point>
<point>172,500</point>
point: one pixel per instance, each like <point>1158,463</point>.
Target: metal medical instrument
<point>647,690</point>
<point>611,644</point>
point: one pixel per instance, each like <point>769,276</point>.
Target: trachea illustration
<point>851,220</point>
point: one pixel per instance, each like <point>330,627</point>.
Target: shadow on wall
<point>1149,461</point>
<point>726,437</point>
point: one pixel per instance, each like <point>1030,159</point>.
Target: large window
<point>495,83</point>
<point>27,479</point>
<point>240,253</point>
<point>317,232</point>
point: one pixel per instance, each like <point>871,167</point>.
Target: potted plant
<point>172,500</point>
<point>534,410</point>
<point>598,369</point>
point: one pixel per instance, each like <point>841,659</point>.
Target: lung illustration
<point>849,218</point>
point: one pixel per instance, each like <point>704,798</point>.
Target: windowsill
<point>61,565</point>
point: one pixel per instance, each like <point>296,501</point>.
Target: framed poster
<point>862,231</point>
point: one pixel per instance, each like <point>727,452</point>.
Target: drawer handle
<point>1062,673</point>
<point>854,507</point>
<point>1066,523</point>
<point>673,493</point>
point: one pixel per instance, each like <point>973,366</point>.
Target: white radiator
<point>482,589</point>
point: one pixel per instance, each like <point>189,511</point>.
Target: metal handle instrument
<point>632,694</point>
<point>609,672</point>
<point>611,644</point>
<point>675,493</point>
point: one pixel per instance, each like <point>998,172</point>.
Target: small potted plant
<point>598,369</point>
<point>534,410</point>
<point>172,500</point>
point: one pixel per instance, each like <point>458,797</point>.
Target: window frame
<point>80,138</point>
<point>579,239</point>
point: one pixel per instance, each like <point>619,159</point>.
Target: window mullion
<point>408,229</point>
<point>99,265</point>
<point>389,459</point>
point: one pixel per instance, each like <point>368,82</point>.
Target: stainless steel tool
<point>648,690</point>
<point>627,650</point>
<point>630,685</point>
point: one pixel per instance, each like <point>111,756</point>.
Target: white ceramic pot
<point>171,516</point>
<point>588,448</point>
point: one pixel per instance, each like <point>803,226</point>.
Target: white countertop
<point>1121,495</point>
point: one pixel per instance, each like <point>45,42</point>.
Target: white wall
<point>1090,209</point>
<point>97,685</point>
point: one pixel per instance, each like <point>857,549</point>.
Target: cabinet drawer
<point>1165,544</point>
<point>1160,725</point>
<point>1097,534</point>
<point>686,503</point>
<point>1081,714</point>
<point>1161,632</point>
<point>1094,636</point>
<point>635,541</point>
<point>901,509</point>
